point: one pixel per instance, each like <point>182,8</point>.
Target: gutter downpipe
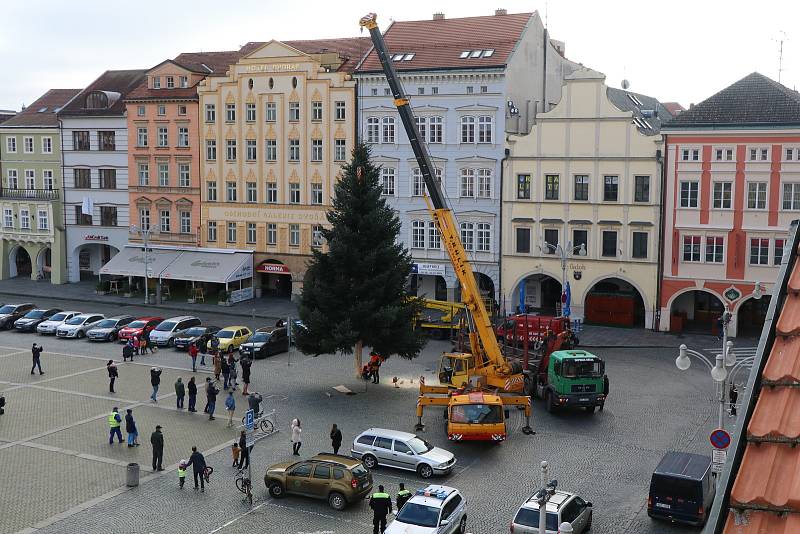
<point>662,218</point>
<point>500,295</point>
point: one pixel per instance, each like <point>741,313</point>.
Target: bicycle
<point>243,483</point>
<point>261,423</point>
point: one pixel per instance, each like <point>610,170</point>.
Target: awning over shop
<point>130,261</point>
<point>216,267</point>
<point>273,268</point>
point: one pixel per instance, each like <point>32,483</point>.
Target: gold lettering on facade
<point>278,67</point>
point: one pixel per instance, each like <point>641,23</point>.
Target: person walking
<point>203,349</point>
<point>113,373</point>
<point>127,351</point>
<point>381,505</point>
<point>403,495</point>
<point>192,387</point>
<point>244,451</point>
<point>114,422</point>
<point>181,473</point>
<point>193,356</point>
<point>235,451</point>
<point>130,428</point>
<point>198,463</point>
<point>208,387</point>
<point>226,370</point>
<point>147,343</point>
<point>180,393</point>
<point>143,345</point>
<point>155,380</point>
<point>216,359</point>
<point>245,363</point>
<point>296,436</point>
<point>136,344</point>
<point>212,400</point>
<point>36,353</point>
<point>157,441</point>
<point>232,371</point>
<point>336,438</point>
<point>375,367</point>
<point>230,407</point>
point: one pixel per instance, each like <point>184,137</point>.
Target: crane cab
<point>455,368</point>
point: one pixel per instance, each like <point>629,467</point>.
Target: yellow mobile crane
<point>471,383</point>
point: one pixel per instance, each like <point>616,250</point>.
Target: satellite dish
<point>626,84</point>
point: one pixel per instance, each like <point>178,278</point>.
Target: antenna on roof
<point>783,38</point>
<point>546,4</point>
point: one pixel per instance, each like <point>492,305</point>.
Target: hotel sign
<point>276,67</point>
<point>271,215</point>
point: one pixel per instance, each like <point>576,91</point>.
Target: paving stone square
<point>17,367</point>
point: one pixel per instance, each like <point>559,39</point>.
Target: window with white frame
<point>47,179</point>
<point>47,145</point>
<point>11,144</point>
<point>144,174</point>
<point>8,218</point>
<point>211,226</point>
<point>230,149</point>
<point>184,81</point>
<point>250,112</point>
<point>691,248</point>
<point>434,237</point>
<point>24,219</point>
<point>467,189</point>
<point>791,196</point>
<point>211,149</point>
<point>294,235</point>
<point>294,111</point>
<point>316,150</point>
<point>185,218</point>
<point>722,195</point>
<point>294,150</point>
<point>211,191</point>
<point>294,193</point>
<point>251,233</point>
<point>211,112</point>
<point>387,181</point>
<point>339,149</point>
<point>163,136</point>
<point>373,130</point>
<point>341,110</point>
<point>230,191</point>
<point>483,178</point>
<point>271,112</point>
<point>715,248</point>
<point>251,192</point>
<point>182,110</point>
<point>316,194</point>
<point>271,150</point>
<point>43,219</point>
<point>688,194</point>
<point>316,111</point>
<point>162,110</point>
<point>144,217</point>
<point>468,129</point>
<point>163,174</point>
<point>551,187</point>
<point>27,145</point>
<point>764,154</point>
<point>417,234</point>
<point>790,152</point>
<point>485,129</point>
<point>164,220</point>
<point>418,182</point>
<point>757,195</point>
<point>184,176</point>
<point>316,236</point>
<point>272,193</point>
<point>230,112</point>
<point>422,127</point>
<point>610,188</point>
<point>468,235</point>
<point>30,179</point>
<point>690,154</point>
<point>183,137</point>
<point>12,179</point>
<point>387,130</point>
<point>777,256</point>
<point>483,234</point>
<point>724,154</point>
<point>170,82</point>
<point>231,237</point>
<point>141,137</point>
<point>250,149</point>
<point>272,234</point>
<point>759,251</point>
<point>581,191</point>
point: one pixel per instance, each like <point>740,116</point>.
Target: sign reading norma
<point>267,215</point>
<point>436,269</point>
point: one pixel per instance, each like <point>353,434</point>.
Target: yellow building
<point>275,131</point>
<point>581,203</point>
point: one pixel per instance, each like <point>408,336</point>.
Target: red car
<point>138,327</point>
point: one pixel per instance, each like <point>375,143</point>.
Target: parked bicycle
<point>261,423</point>
<point>243,483</point>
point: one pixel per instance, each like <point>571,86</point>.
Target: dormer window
<point>96,100</point>
<point>170,82</point>
<point>184,81</point>
<point>156,82</point>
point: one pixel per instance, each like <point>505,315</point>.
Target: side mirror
<point>410,453</point>
<point>444,522</point>
<point>589,504</point>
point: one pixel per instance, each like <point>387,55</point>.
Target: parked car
<point>393,448</point>
<point>298,328</point>
<point>266,342</point>
<point>682,488</point>
<point>108,329</point>
<point>231,337</point>
<point>563,507</point>
<point>51,325</point>
<point>138,328</point>
<point>165,333</point>
<point>32,319</point>
<point>196,334</point>
<point>78,325</point>
<point>340,480</point>
<point>11,312</point>
<point>433,510</point>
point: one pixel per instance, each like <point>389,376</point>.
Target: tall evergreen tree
<point>354,294</point>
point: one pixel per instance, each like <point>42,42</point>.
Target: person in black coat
<point>245,363</point>
<point>130,428</point>
<point>211,393</point>
<point>127,352</point>
<point>36,353</point>
<point>157,441</point>
<point>113,373</point>
<point>192,387</point>
<point>244,454</point>
<point>381,505</point>
<point>155,380</point>
<point>336,439</point>
<point>198,463</point>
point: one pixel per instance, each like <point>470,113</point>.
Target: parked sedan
<point>51,325</point>
<point>138,328</point>
<point>108,329</point>
<point>266,342</point>
<point>78,325</point>
<point>32,319</point>
<point>200,335</point>
<point>11,312</point>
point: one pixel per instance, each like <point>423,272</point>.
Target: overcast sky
<point>681,51</point>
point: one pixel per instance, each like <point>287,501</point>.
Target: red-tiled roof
<point>111,81</point>
<point>439,43</point>
<point>350,49</point>
<point>43,111</point>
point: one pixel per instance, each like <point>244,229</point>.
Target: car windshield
<point>476,413</point>
<point>419,445</point>
<point>530,518</point>
<point>8,308</point>
<point>78,319</point>
<point>583,368</point>
<point>196,331</point>
<point>418,514</point>
<point>225,334</point>
<point>258,337</point>
<point>106,323</point>
<point>58,317</point>
<point>137,324</point>
<point>166,326</point>
<point>34,314</point>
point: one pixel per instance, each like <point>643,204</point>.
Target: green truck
<point>567,378</point>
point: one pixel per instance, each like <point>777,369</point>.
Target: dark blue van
<point>682,488</point>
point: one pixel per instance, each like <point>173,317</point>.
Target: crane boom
<point>485,345</point>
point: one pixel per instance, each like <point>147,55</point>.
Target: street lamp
<point>718,369</point>
<point>564,254</point>
<point>145,232</point>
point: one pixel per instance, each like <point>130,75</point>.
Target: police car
<point>433,510</point>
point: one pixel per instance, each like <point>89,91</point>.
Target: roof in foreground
<point>350,49</point>
<point>116,84</point>
<point>43,111</point>
<point>753,101</point>
<point>440,43</point>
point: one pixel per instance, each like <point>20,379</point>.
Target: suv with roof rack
<point>432,510</point>
<point>341,480</point>
<point>563,507</point>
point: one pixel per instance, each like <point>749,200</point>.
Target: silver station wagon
<point>392,448</point>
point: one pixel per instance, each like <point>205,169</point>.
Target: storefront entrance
<point>275,279</point>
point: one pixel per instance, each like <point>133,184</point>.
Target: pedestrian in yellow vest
<point>114,422</point>
<point>182,473</point>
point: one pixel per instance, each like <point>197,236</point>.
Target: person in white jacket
<point>296,439</point>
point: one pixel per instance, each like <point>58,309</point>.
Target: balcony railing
<point>29,194</point>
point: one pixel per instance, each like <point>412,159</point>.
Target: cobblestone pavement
<point>59,475</point>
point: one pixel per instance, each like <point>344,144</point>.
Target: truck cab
<point>572,378</point>
<point>476,416</point>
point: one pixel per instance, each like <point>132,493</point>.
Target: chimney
<point>438,16</point>
<point>499,12</point>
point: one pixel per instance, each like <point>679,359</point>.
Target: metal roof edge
<point>719,511</point>
<point>680,128</point>
<point>501,66</point>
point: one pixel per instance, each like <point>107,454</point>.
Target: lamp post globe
<point>730,357</point>
<point>683,362</point>
<point>582,252</point>
<point>718,372</point>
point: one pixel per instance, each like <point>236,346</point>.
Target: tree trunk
<point>357,354</point>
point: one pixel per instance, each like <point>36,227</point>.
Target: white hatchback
<point>78,325</point>
<point>51,325</point>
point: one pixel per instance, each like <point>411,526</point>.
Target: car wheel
<point>276,490</point>
<point>548,402</point>
<point>81,334</point>
<point>369,461</point>
<point>112,336</point>
<point>462,526</point>
<point>425,471</point>
<point>337,501</point>
<point>170,342</point>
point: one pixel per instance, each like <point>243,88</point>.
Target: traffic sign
<point>249,420</point>
<point>250,439</point>
<point>717,468</point>
<point>720,439</point>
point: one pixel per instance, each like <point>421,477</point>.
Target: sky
<point>682,51</point>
